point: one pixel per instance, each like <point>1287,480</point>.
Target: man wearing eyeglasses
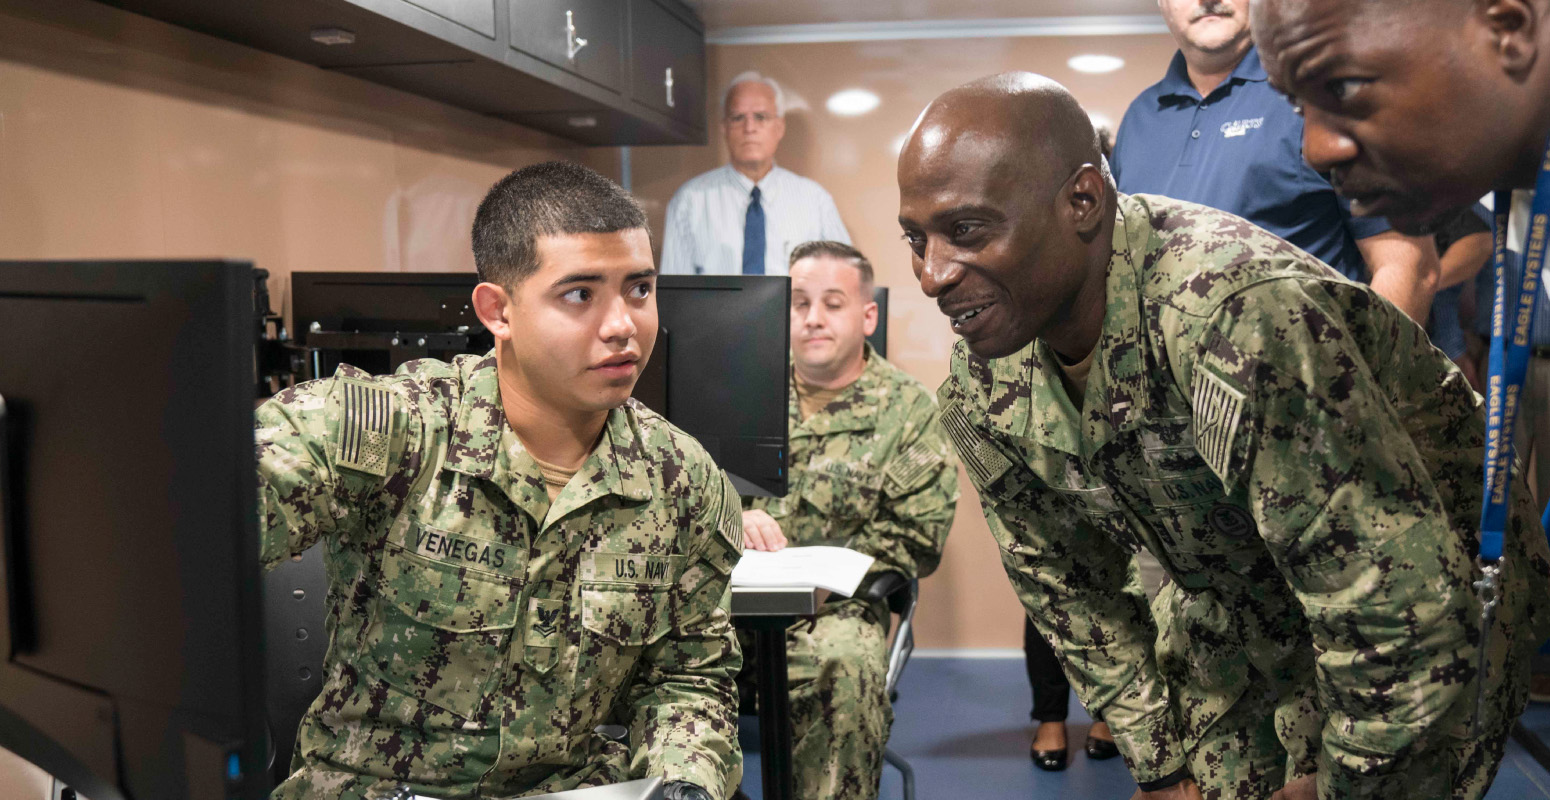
<point>744,218</point>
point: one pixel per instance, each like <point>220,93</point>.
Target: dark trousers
<point>1051,691</point>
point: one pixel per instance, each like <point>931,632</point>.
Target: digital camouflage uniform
<point>870,471</point>
<point>1307,468</point>
<point>479,635</point>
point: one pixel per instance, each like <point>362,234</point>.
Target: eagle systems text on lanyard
<point>1509,356</point>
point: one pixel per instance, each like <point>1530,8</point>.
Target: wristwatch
<point>680,790</point>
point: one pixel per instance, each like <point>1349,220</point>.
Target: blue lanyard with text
<point>1509,356</point>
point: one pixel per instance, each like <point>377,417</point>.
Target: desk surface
<point>774,601</point>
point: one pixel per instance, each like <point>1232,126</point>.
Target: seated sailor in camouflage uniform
<point>517,553</point>
<point>1305,465</point>
<point>869,470</point>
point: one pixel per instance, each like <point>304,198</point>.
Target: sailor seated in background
<point>869,470</point>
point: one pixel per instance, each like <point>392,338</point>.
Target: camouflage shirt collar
<point>482,445</point>
<point>855,409</point>
<point>1022,394</point>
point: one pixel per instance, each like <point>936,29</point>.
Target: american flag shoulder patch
<point>729,518</point>
<point>1218,408</point>
<point>910,469</point>
<point>364,428</point>
<point>984,462</point>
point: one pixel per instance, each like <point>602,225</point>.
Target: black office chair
<point>295,605</point>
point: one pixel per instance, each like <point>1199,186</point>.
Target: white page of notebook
<point>838,569</point>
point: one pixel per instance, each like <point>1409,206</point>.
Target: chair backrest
<point>879,337</point>
<point>295,605</point>
<point>903,603</point>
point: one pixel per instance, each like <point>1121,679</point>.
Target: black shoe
<point>1101,749</point>
<point>1049,760</point>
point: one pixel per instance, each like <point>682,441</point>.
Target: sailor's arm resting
<point>684,701</point>
<point>1351,511</point>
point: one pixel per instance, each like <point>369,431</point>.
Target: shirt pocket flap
<point>625,616</point>
<point>447,597</point>
<point>841,496</point>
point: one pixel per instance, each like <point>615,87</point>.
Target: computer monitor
<point>719,370</point>
<point>378,320</point>
<point>879,337</point>
<point>723,356</point>
<point>130,631</point>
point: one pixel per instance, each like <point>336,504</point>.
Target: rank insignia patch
<point>1218,408</point>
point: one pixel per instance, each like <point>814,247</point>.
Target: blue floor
<point>963,725</point>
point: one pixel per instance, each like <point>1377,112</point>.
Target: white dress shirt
<point>705,221</point>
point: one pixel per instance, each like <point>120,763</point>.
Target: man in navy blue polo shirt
<point>1214,132</point>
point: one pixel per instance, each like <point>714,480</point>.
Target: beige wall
<point>121,137</point>
<point>968,602</point>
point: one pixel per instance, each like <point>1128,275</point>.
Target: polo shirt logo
<point>1241,127</point>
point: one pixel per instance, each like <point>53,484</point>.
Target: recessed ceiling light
<point>1093,64</point>
<point>852,102</point>
<point>333,36</point>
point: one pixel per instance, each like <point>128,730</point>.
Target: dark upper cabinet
<point>583,37</point>
<point>475,15</point>
<point>667,60</point>
<point>574,68</point>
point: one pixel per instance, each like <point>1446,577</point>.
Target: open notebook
<point>838,569</point>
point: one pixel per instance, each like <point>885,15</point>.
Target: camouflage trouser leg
<point>1264,742</point>
<point>1240,757</point>
<point>839,707</point>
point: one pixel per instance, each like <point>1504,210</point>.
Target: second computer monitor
<point>724,358</point>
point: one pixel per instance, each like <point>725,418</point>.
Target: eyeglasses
<point>760,119</point>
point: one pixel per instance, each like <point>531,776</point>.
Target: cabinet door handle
<point>573,43</point>
<point>669,84</point>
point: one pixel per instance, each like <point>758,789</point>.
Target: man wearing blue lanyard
<point>1413,132</point>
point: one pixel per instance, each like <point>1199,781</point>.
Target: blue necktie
<point>753,237</point>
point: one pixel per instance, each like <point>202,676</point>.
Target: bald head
<point>1009,208</point>
<point>1016,121</point>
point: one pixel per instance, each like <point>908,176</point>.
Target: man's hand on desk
<point>762,532</point>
